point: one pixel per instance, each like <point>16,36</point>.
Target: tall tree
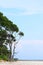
<point>8,32</point>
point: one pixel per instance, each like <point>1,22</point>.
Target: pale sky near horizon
<point>28,15</point>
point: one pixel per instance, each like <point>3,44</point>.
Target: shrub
<point>3,57</point>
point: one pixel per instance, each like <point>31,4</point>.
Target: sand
<point>22,63</point>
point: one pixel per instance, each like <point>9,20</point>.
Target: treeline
<point>9,36</point>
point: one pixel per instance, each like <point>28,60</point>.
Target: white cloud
<point>28,47</point>
<point>26,43</point>
<point>9,3</point>
<point>30,6</point>
<point>32,41</point>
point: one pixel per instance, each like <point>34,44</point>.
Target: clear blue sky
<point>28,15</point>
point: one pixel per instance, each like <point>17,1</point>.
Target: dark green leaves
<point>7,36</point>
<point>21,33</point>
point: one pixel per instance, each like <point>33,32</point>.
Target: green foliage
<point>15,59</point>
<point>4,53</point>
<point>21,33</point>
<point>7,30</point>
<point>3,57</point>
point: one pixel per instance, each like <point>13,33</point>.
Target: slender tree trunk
<point>14,51</point>
<point>15,47</point>
<point>10,51</point>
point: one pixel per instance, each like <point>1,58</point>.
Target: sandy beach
<point>22,63</point>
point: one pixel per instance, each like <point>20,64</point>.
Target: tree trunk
<point>10,51</point>
<point>14,52</point>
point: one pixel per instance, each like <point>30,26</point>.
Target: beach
<point>22,63</point>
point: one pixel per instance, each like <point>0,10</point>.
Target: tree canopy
<point>7,36</point>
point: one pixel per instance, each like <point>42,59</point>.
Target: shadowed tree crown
<point>7,36</point>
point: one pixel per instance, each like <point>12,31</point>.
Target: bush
<point>3,57</point>
<point>15,59</point>
<point>4,53</point>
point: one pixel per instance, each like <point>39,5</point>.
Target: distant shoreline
<point>29,60</point>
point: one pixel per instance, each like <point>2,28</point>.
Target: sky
<point>28,15</point>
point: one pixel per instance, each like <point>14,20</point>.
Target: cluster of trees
<point>9,36</point>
